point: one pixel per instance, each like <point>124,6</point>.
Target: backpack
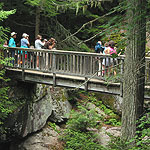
<point>98,48</point>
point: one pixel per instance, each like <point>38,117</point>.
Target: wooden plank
<point>77,66</point>
<point>81,64</point>
<point>61,63</point>
<point>73,63</point>
<point>23,59</point>
<point>54,64</point>
<point>67,63</point>
<point>64,63</point>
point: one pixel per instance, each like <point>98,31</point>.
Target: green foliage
<point>112,118</point>
<point>84,48</point>
<point>111,78</point>
<point>119,38</point>
<point>4,15</point>
<point>53,126</point>
<point>117,144</point>
<point>76,136</point>
<point>113,122</point>
<point>141,140</point>
<point>6,106</point>
<point>76,140</point>
<point>82,119</point>
<point>143,133</point>
<point>46,6</point>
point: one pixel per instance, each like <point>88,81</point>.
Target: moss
<point>108,100</point>
<point>44,91</point>
<point>64,97</point>
<point>61,96</point>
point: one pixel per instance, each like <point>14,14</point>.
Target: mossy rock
<point>110,101</point>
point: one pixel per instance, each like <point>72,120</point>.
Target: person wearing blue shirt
<point>25,43</point>
<point>12,43</point>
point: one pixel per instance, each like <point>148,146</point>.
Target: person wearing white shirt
<point>38,45</point>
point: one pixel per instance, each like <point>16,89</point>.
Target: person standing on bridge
<point>109,62</point>
<point>50,44</point>
<point>12,43</point>
<point>38,45</point>
<point>25,44</point>
<point>25,41</point>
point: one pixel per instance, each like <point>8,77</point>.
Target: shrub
<point>76,140</point>
<point>82,119</point>
<point>76,136</point>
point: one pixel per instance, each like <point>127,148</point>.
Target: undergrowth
<point>77,135</point>
<point>80,132</point>
<point>112,118</point>
<point>141,140</point>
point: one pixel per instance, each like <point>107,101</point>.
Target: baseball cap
<point>13,33</point>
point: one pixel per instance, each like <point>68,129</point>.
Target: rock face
<point>42,102</point>
<point>60,104</point>
<point>103,137</point>
<point>47,139</point>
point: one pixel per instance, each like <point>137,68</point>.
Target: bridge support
<point>86,84</point>
<point>121,89</point>
<point>54,79</point>
<point>23,77</point>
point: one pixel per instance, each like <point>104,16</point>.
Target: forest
<point>77,25</point>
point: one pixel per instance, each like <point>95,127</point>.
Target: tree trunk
<point>134,71</point>
<point>37,21</point>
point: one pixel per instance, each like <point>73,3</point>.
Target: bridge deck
<point>65,81</point>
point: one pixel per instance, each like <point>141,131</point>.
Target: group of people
<point>108,48</point>
<point>25,43</point>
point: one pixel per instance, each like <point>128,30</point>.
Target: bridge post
<point>23,65</point>
<point>86,84</point>
<point>54,79</point>
<point>53,69</point>
<point>23,77</point>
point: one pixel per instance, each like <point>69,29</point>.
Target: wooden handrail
<point>61,52</point>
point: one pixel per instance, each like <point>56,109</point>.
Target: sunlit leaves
<point>5,14</point>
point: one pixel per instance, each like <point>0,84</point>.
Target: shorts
<point>25,56</point>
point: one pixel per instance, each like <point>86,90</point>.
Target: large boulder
<point>40,103</point>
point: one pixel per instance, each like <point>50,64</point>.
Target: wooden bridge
<point>70,69</point>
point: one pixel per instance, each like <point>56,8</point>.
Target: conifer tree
<point>134,70</point>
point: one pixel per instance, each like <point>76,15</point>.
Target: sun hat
<point>25,35</point>
<point>13,33</point>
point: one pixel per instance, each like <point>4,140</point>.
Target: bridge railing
<point>74,63</point>
<point>64,62</point>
